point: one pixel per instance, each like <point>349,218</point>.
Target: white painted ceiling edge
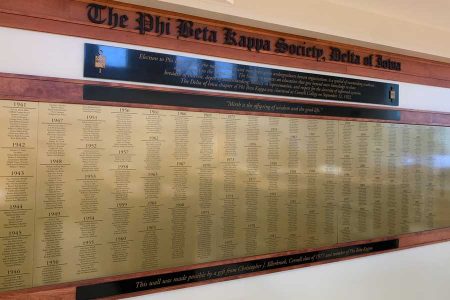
<point>411,27</point>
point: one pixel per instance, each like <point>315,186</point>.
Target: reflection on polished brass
<point>91,191</point>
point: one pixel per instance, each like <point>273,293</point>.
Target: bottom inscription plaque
<point>154,282</point>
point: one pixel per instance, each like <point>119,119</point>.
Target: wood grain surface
<point>48,89</point>
<point>69,17</point>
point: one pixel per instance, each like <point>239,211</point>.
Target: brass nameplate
<point>92,191</point>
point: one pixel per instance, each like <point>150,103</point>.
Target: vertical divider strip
<point>35,194</point>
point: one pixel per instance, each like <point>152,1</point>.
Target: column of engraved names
<point>379,167</point>
<point>273,194</point>
<point>91,190</point>
<point>152,208</point>
<point>312,205</point>
<point>293,201</point>
<point>407,170</point>
<point>362,228</point>
<point>231,196</point>
<point>328,201</point>
<point>430,188</point>
<point>418,149</point>
<point>445,133</point>
<point>18,143</point>
<point>442,205</point>
<point>252,186</point>
<point>347,173</point>
<point>122,175</point>
<point>181,221</point>
<point>54,192</point>
<point>205,212</point>
<point>320,156</point>
<point>393,156</point>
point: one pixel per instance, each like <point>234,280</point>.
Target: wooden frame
<point>36,89</point>
<point>48,89</point>
<point>68,17</point>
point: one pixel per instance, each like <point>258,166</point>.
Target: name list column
<point>56,200</point>
<point>231,157</point>
<point>18,150</point>
<point>92,190</point>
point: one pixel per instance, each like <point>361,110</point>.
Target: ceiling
<point>412,27</point>
<point>432,13</point>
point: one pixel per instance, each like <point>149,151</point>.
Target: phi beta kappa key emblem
<point>100,61</point>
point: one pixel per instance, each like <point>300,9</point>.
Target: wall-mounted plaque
<point>167,189</point>
<point>223,271</point>
<point>183,100</point>
<point>108,62</point>
<point>89,191</point>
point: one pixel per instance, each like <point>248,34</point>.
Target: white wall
<point>420,273</point>
<point>415,274</point>
<point>62,56</point>
<point>415,27</point>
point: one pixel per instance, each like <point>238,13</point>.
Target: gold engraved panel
<point>18,148</point>
<point>92,191</point>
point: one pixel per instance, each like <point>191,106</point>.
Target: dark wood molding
<point>68,17</point>
<point>48,89</point>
